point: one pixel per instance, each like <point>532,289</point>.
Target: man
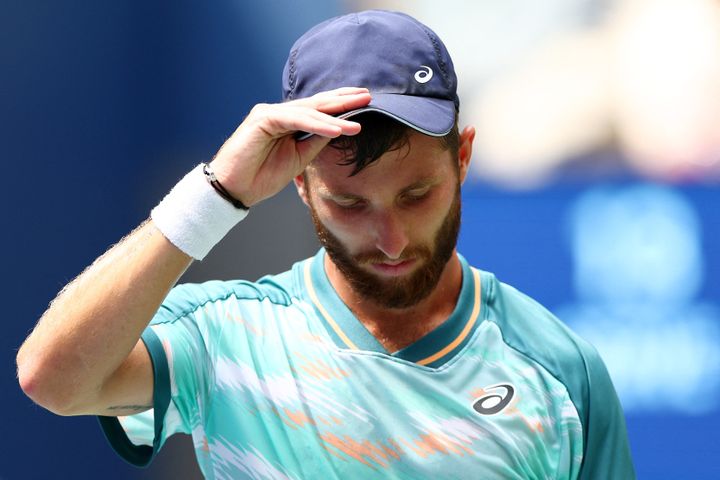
<point>384,356</point>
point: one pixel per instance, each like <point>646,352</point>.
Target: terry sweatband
<point>193,216</point>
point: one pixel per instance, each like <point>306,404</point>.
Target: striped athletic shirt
<point>277,379</point>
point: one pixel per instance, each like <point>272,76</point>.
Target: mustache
<point>411,253</point>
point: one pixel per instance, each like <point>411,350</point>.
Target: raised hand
<point>263,155</point>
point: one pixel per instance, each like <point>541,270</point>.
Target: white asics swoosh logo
<point>424,74</point>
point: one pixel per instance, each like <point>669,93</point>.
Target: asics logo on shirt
<point>492,403</point>
<point>424,74</point>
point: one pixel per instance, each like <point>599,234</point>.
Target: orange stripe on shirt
<point>465,331</point>
<point>323,312</point>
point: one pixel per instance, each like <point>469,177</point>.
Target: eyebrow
<point>325,193</point>
<point>427,182</point>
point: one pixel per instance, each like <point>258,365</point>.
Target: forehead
<point>422,158</point>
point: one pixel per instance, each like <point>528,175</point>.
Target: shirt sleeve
<point>176,340</point>
<point>607,450</point>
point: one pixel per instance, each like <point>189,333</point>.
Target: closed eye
<point>349,204</point>
<point>416,195</point>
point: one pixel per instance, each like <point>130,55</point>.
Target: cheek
<point>348,228</point>
<point>352,232</point>
<point>427,230</point>
<point>434,221</point>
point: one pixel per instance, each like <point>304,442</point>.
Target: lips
<point>394,268</point>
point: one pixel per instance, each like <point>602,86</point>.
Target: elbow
<point>44,386</point>
<point>29,383</point>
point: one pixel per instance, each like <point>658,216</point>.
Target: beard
<point>395,292</point>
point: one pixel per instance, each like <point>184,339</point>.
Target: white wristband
<point>194,217</point>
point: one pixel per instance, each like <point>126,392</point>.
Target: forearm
<point>84,355</point>
<point>96,320</point>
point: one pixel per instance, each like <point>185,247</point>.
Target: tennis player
<point>385,355</point>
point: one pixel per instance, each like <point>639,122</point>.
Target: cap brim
<point>431,116</point>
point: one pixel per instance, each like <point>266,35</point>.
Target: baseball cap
<point>402,62</point>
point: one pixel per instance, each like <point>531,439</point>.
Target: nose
<point>390,235</point>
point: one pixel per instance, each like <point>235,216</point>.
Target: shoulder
<point>532,329</point>
<point>185,299</point>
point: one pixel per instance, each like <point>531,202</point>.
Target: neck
<point>396,328</point>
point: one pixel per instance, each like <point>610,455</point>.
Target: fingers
<point>280,120</point>
<point>316,114</point>
<point>318,123</point>
<point>336,101</point>
<point>342,91</point>
<point>344,103</point>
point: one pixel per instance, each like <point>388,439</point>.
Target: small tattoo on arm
<point>134,408</point>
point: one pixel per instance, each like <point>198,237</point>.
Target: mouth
<point>394,268</point>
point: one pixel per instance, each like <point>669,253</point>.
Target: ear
<point>467,136</point>
<point>301,186</point>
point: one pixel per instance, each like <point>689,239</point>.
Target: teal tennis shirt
<point>277,379</point>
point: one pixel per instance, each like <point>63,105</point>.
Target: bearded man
<point>386,355</point>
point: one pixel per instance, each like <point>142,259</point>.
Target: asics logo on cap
<point>424,74</point>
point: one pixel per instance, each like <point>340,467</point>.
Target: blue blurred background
<point>595,187</point>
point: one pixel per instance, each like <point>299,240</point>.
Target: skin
<point>384,217</point>
<point>84,356</point>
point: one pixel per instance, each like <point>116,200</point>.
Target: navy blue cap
<point>402,62</point>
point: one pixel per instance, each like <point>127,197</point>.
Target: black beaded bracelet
<point>212,180</point>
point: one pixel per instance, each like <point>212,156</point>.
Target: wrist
<point>220,189</point>
<point>227,174</point>
<point>194,216</point>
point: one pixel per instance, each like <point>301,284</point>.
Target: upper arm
<point>607,451</point>
<point>129,389</point>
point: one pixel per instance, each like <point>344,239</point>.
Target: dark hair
<point>381,134</point>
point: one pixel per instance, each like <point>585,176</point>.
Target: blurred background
<point>594,189</point>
